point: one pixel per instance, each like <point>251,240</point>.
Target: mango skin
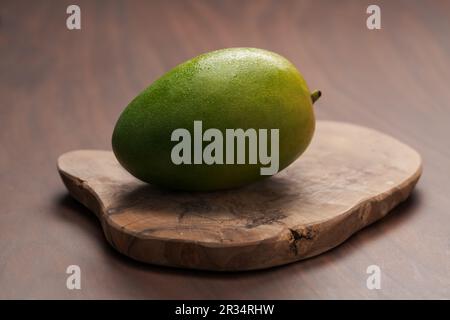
<point>229,88</point>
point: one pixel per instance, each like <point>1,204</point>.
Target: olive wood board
<point>348,178</point>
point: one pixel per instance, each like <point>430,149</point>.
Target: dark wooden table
<point>62,90</point>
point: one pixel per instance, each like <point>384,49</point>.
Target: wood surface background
<point>62,90</point>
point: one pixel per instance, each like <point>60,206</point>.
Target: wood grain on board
<point>349,177</point>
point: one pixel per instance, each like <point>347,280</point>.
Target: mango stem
<point>316,95</point>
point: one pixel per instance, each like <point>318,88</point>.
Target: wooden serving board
<point>348,178</point>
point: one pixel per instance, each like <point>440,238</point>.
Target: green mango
<point>232,88</point>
